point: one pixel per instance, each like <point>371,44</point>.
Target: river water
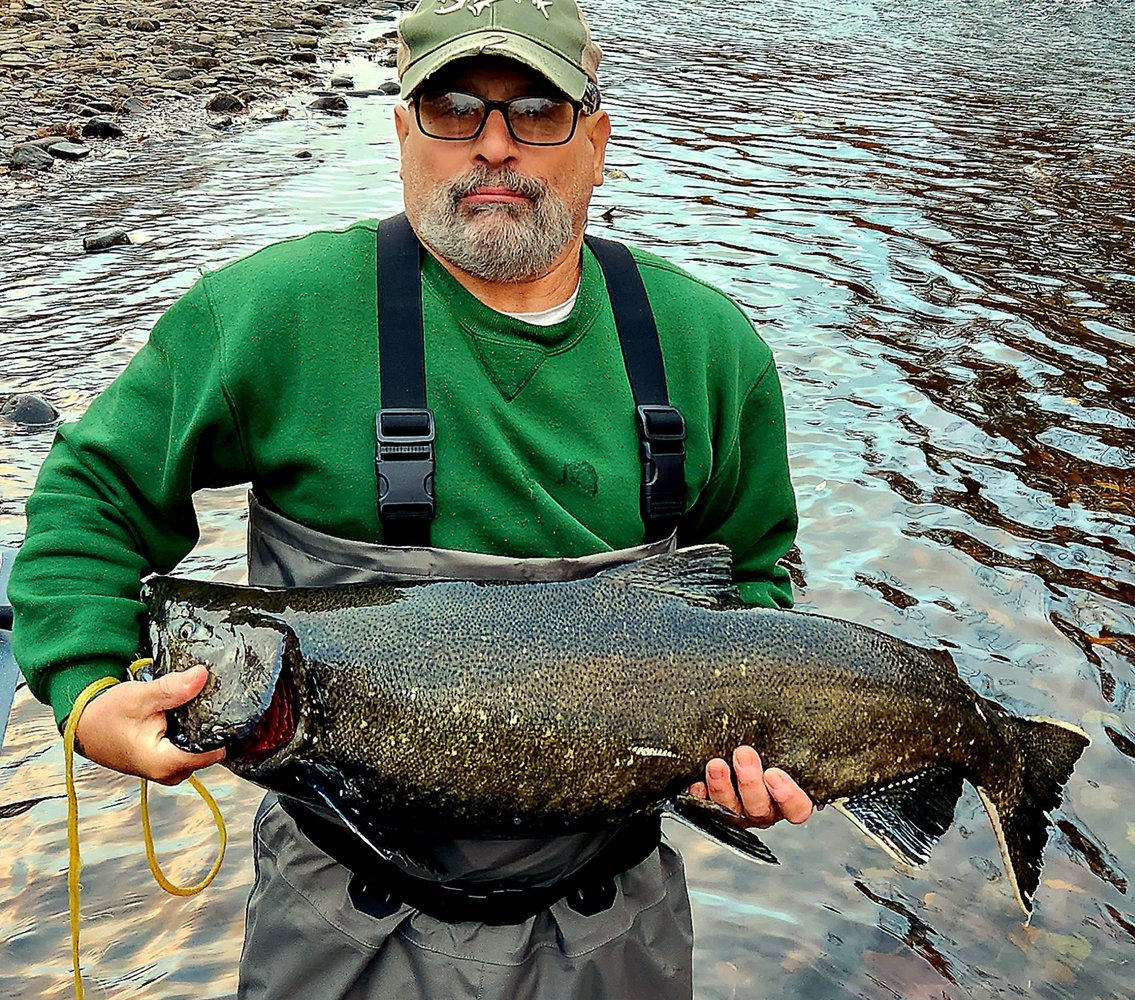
<point>929,212</point>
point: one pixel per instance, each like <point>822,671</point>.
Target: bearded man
<point>562,404</point>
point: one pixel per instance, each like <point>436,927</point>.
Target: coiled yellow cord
<point>75,862</point>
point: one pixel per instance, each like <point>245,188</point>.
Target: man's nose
<point>495,144</point>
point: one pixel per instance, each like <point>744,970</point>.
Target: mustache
<point>511,180</point>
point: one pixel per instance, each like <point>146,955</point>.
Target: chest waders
<point>492,882</point>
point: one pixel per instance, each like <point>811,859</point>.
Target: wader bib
<point>587,916</point>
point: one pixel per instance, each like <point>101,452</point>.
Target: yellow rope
<point>152,858</point>
<point>75,864</point>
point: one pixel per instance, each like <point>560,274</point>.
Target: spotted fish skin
<point>508,710</point>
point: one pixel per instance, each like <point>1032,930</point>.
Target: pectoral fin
<point>720,824</point>
<point>324,783</point>
<point>908,816</point>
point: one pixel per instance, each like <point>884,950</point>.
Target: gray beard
<point>501,242</point>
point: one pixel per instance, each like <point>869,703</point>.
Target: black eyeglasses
<point>534,121</point>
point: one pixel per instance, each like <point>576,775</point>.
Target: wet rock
<point>28,410</point>
<point>332,103</point>
<point>102,128</point>
<point>31,158</point>
<point>342,80</point>
<point>69,150</point>
<point>132,106</point>
<point>304,57</point>
<point>303,154</point>
<point>275,115</point>
<point>142,24</point>
<point>220,124</point>
<point>45,142</point>
<point>224,102</point>
<point>305,42</point>
<point>179,73</point>
<point>382,90</point>
<point>105,240</point>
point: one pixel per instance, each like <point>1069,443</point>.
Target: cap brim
<point>495,42</point>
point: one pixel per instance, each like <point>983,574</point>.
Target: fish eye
<point>194,631</point>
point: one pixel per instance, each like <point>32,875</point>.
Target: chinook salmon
<point>500,710</point>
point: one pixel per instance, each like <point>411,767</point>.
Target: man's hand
<point>766,797</point>
<point>124,728</point>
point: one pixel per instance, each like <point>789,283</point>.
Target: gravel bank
<point>98,73</point>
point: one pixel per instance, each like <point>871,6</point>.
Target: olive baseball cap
<point>550,36</point>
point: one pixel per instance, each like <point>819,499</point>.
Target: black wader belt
<point>381,885</point>
<point>405,453</point>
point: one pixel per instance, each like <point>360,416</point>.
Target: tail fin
<point>1023,789</point>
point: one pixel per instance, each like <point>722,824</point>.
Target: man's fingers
<point>719,782</point>
<point>698,790</point>
<point>174,690</point>
<point>758,804</point>
<point>794,803</point>
<point>170,766</point>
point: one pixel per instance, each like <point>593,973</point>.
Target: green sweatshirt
<point>266,371</point>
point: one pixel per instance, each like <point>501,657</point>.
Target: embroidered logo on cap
<point>478,6</point>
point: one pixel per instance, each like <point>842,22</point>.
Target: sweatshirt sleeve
<point>113,503</point>
<point>749,503</point>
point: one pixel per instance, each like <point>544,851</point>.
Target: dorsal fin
<point>701,575</point>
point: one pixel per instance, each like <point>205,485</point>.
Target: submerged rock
<point>332,103</point>
<point>28,410</point>
<point>106,240</point>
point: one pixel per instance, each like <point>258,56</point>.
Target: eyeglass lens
<point>538,121</point>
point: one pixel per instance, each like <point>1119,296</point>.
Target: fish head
<point>249,704</point>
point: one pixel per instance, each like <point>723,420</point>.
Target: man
<point>265,372</point>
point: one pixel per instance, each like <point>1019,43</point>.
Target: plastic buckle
<point>662,436</point>
<point>404,461</point>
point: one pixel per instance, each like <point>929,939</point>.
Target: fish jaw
<point>249,702</point>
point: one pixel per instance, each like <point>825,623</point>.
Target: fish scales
<point>535,709</point>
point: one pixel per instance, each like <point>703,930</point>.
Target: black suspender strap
<point>661,427</point>
<point>404,454</point>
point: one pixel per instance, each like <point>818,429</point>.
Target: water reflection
<point>929,214</point>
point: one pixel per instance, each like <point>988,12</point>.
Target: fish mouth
<point>275,729</point>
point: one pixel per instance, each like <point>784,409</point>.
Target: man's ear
<point>402,129</point>
<point>598,131</point>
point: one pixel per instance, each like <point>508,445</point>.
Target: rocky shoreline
<point>81,77</point>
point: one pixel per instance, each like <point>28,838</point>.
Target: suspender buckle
<point>662,438</point>
<point>404,460</point>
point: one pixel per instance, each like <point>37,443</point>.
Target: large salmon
<point>501,710</point>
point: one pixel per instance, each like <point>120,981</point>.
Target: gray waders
<point>316,929</point>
